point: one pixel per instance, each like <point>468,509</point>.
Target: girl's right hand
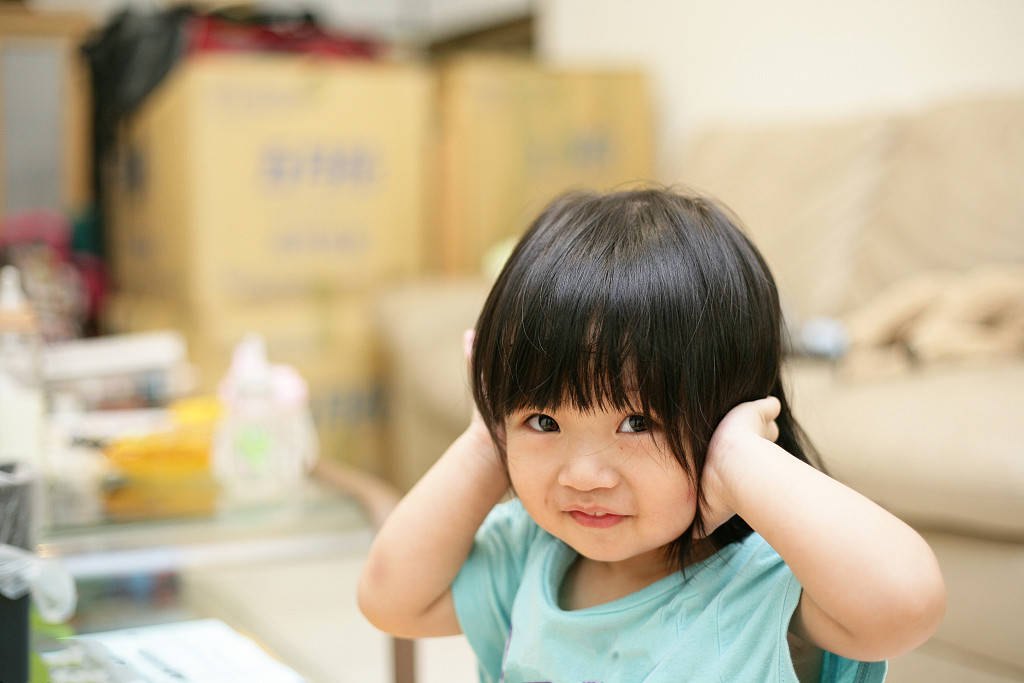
<point>405,586</point>
<point>751,420</point>
<point>477,427</point>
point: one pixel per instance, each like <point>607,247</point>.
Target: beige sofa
<point>843,211</point>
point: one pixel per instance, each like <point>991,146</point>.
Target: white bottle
<point>22,406</point>
<point>265,442</point>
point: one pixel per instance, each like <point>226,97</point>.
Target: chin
<point>602,556</point>
<point>599,553</point>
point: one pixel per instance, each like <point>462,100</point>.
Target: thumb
<point>769,408</point>
<point>467,343</point>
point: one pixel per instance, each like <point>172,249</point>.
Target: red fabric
<point>213,34</point>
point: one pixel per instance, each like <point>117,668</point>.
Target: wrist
<point>477,435</point>
<point>476,441</point>
<point>731,462</point>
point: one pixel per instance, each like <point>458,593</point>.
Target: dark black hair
<point>645,293</point>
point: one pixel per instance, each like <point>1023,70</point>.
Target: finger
<point>772,431</point>
<point>769,408</point>
<point>467,350</point>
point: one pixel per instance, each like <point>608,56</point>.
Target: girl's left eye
<point>635,423</point>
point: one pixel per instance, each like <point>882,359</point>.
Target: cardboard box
<point>45,108</point>
<point>514,135</point>
<point>330,341</point>
<point>245,177</point>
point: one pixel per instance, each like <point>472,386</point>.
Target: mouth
<point>595,519</point>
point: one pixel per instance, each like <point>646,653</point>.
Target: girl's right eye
<point>635,424</point>
<point>542,423</point>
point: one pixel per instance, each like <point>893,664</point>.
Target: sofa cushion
<point>940,447</point>
<point>984,603</point>
<point>951,197</point>
<point>428,395</point>
<point>842,210</point>
<point>804,193</point>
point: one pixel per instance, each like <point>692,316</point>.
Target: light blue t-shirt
<point>726,621</point>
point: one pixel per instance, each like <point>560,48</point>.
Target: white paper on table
<point>201,651</point>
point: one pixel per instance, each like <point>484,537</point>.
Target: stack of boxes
<point>280,195</point>
<point>275,194</point>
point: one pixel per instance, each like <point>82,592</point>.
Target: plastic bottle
<point>22,406</point>
<point>265,442</point>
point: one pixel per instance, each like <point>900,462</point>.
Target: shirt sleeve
<point>761,600</point>
<point>485,587</point>
<point>834,668</point>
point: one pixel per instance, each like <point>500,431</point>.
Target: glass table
<point>129,574</point>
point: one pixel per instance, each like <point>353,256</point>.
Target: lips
<point>595,518</point>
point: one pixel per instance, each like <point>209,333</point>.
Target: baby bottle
<point>265,442</point>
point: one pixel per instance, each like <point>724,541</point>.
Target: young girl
<point>667,525</point>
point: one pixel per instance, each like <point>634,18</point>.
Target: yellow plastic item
<point>165,474</point>
<point>200,411</point>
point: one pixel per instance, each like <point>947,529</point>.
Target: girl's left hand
<point>742,425</point>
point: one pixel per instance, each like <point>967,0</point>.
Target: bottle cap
<point>250,371</point>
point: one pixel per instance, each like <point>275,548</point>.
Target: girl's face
<point>600,482</point>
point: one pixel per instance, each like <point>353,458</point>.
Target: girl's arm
<point>872,588</point>
<point>405,585</point>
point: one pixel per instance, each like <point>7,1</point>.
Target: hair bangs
<point>555,365</point>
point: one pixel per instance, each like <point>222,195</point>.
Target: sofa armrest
<point>939,447</point>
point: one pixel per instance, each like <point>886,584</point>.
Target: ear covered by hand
<point>743,425</point>
<point>476,423</point>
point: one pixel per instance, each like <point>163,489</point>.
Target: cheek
<point>663,467</point>
<point>515,472</point>
<point>532,469</point>
<point>523,462</point>
<point>687,493</point>
<point>675,511</point>
<point>673,494</point>
<point>690,494</point>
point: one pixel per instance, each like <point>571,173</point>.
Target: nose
<point>588,469</point>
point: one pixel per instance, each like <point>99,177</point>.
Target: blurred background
<point>245,240</point>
